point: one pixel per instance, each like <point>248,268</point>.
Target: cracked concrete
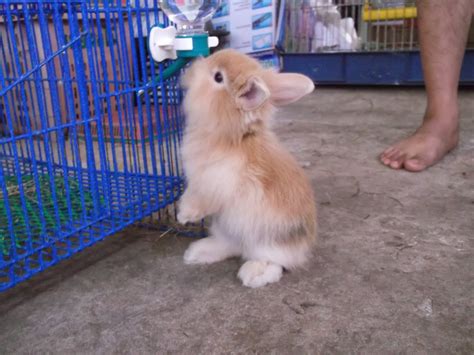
<point>393,271</point>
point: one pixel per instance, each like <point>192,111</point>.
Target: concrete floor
<point>393,272</point>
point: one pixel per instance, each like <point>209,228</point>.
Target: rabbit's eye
<point>218,77</point>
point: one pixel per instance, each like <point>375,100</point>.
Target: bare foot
<point>428,145</point>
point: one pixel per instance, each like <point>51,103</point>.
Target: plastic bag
<point>331,32</point>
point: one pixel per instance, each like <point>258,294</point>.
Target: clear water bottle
<point>189,15</point>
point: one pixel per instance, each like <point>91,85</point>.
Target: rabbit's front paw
<point>259,273</point>
<point>189,213</point>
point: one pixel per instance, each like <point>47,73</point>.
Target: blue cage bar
<point>82,155</point>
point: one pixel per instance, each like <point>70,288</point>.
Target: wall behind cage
<point>117,55</point>
<point>17,63</point>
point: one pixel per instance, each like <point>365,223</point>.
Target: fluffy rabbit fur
<point>261,203</point>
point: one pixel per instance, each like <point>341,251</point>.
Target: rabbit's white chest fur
<point>214,175</point>
<point>222,184</point>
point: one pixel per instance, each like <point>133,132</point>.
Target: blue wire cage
<point>82,155</point>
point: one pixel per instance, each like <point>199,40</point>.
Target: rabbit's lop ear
<point>286,88</point>
<point>253,94</point>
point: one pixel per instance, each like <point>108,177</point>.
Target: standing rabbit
<point>260,201</point>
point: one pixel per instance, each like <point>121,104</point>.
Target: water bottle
<point>190,16</point>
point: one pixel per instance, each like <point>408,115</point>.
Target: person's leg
<point>443,29</point>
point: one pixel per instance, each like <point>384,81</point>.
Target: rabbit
<point>261,204</point>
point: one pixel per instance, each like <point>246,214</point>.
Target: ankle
<point>443,109</point>
<point>446,125</point>
<point>445,117</point>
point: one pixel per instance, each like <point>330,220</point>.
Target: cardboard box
<point>251,24</point>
